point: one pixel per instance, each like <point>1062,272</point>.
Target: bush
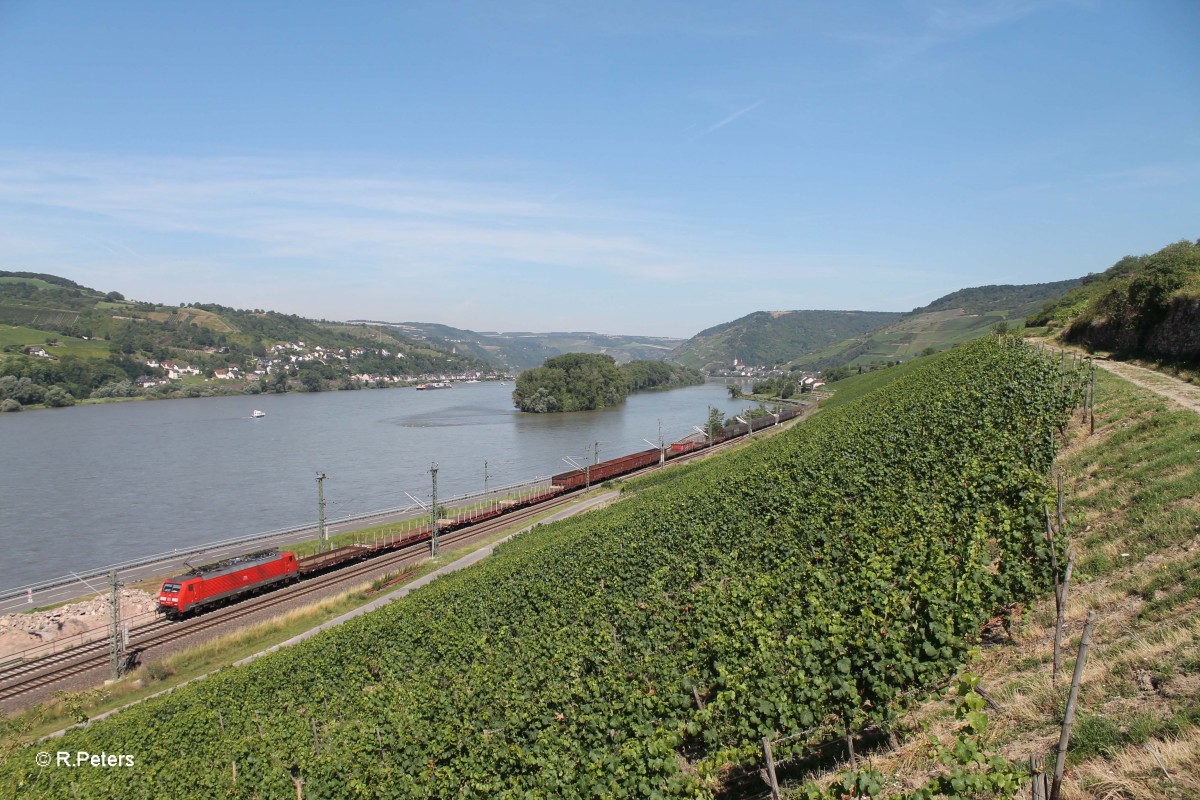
<point>57,397</point>
<point>9,404</point>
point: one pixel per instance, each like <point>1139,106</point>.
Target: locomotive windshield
<point>170,587</point>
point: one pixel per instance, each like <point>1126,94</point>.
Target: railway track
<point>42,673</point>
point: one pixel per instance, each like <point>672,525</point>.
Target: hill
<point>767,338</point>
<point>57,333</point>
<point>1145,305</point>
<point>952,319</point>
<point>520,350</point>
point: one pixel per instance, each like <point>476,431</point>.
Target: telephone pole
<point>322,534</point>
<point>433,542</point>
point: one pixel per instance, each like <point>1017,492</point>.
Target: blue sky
<point>641,168</point>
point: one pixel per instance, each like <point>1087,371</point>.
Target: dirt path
<point>1182,392</point>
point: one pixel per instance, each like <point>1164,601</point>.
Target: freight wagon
<point>597,473</point>
<point>216,583</point>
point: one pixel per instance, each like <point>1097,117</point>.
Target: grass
<point>1133,502</point>
<point>22,336</point>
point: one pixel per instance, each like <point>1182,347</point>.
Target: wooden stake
<point>1060,504</point>
<point>1064,738</point>
<point>1053,553</point>
<point>850,747</point>
<point>772,781</point>
<point>1037,769</point>
<point>1062,613</point>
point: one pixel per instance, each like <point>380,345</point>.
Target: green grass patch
<point>1096,736</point>
<point>1149,466</point>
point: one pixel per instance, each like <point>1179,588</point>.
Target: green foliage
<point>642,375</point>
<point>824,576</point>
<point>969,772</point>
<point>834,374</point>
<point>570,382</point>
<point>1129,307</point>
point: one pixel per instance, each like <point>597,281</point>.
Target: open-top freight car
<point>217,583</point>
<point>596,473</point>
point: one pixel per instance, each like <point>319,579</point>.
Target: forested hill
<point>775,337</point>
<point>55,332</point>
<point>824,339</point>
<point>1145,305</point>
<point>1018,300</point>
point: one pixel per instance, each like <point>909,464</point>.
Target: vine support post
<point>1037,769</point>
<point>1064,738</point>
<point>772,780</point>
<point>1060,503</point>
<point>1053,551</point>
<point>1062,613</point>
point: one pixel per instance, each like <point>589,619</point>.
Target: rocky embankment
<point>40,633</point>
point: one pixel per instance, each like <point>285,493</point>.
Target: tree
<point>713,425</point>
<point>311,382</point>
<point>58,397</point>
<point>574,381</point>
<point>837,373</point>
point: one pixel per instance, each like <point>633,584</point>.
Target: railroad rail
<point>34,675</point>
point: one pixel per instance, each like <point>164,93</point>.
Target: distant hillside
<point>516,351</point>
<point>949,320</point>
<point>1145,305</point>
<point>1013,300</point>
<point>765,338</point>
<point>92,340</point>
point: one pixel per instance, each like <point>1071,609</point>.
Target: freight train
<point>596,473</point>
<point>233,578</point>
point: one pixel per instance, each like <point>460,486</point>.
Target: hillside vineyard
<point>815,582</point>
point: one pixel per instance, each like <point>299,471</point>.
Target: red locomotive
<point>224,580</point>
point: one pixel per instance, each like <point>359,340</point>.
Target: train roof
<point>228,565</point>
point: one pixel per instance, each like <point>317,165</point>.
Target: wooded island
<point>586,381</point>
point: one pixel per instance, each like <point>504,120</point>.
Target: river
<point>93,485</point>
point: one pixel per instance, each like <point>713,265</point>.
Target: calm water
<point>93,485</point>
